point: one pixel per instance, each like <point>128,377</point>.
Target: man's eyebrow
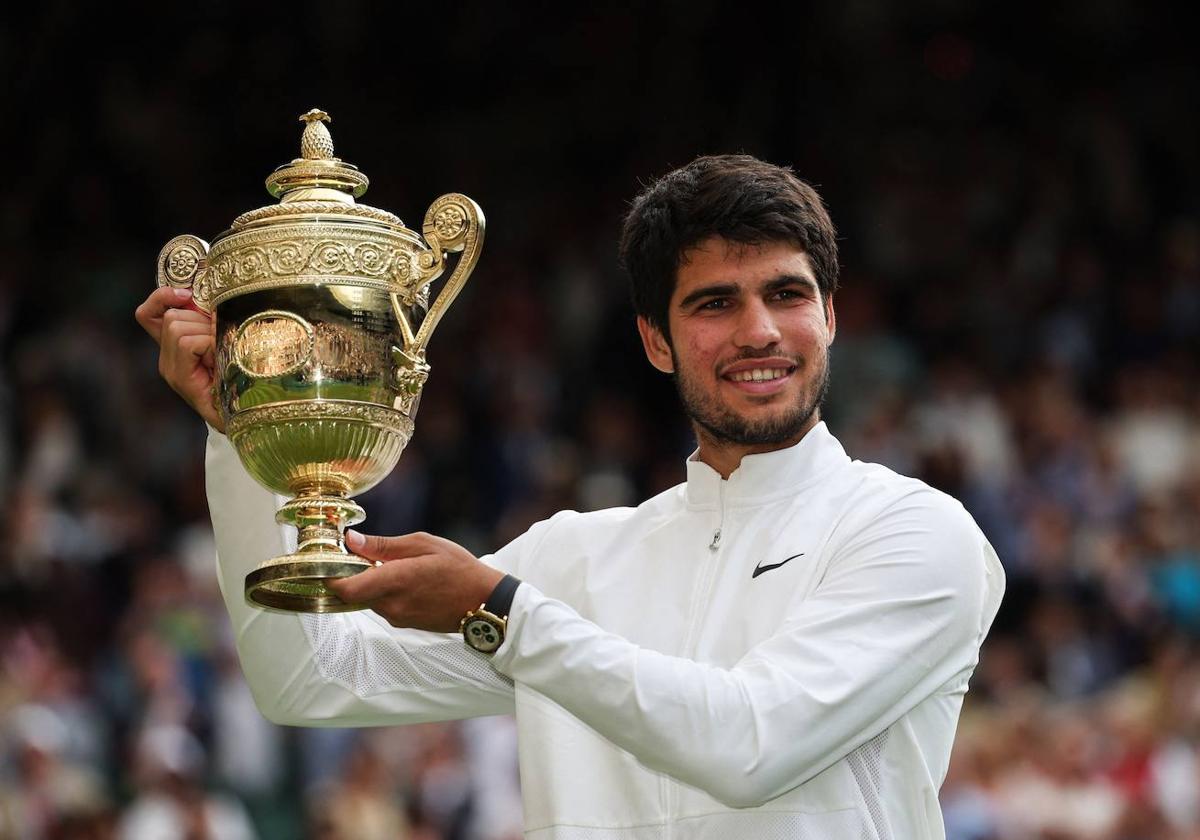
<point>726,289</point>
<point>785,280</point>
<point>719,290</point>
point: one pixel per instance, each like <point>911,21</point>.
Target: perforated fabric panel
<point>834,825</point>
<point>751,825</point>
<point>866,763</point>
<point>581,832</point>
<point>374,664</point>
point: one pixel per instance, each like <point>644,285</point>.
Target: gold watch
<point>483,629</point>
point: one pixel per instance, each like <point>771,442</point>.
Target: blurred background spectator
<point>1017,194</point>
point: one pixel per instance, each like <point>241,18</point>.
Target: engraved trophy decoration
<point>320,347</point>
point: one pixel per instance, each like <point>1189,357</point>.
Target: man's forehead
<point>717,258</point>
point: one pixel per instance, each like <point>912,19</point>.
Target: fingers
<point>388,548</point>
<point>426,582</point>
<point>161,301</point>
<point>185,345</point>
<point>354,589</point>
<point>185,361</point>
<point>198,345</point>
<point>366,586</point>
<point>186,336</point>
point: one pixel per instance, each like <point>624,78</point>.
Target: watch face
<point>482,635</point>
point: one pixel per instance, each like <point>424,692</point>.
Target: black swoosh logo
<point>759,569</point>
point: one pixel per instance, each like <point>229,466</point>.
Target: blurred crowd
<point>1019,326</point>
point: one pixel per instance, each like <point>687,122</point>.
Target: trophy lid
<point>317,168</point>
<point>316,183</point>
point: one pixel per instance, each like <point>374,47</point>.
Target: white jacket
<point>780,655</point>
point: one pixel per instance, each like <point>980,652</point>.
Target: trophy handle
<point>453,223</point>
<point>183,264</point>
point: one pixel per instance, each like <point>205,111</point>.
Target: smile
<point>759,374</point>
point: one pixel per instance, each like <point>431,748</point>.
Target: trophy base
<point>295,583</point>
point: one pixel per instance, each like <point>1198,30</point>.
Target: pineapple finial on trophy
<point>317,175</point>
<point>316,144</point>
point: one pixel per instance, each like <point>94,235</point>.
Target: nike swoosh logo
<point>758,570</point>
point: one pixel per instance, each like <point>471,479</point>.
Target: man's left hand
<point>425,582</point>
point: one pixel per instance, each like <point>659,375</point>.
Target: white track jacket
<point>782,654</point>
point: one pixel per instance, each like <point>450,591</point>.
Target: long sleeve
<point>898,617</point>
<point>349,669</point>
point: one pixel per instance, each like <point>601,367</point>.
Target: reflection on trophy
<point>322,318</point>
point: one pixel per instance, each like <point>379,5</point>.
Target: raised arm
<point>338,670</point>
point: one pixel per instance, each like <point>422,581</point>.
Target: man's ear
<point>830,317</point>
<point>658,349</point>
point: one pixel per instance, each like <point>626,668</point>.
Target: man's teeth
<point>758,374</point>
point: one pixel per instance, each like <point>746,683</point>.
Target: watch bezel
<point>482,616</point>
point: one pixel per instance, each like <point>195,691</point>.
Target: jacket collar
<point>768,475</point>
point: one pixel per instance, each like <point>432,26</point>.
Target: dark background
<point>1016,192</point>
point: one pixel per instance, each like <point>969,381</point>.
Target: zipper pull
<point>716,541</point>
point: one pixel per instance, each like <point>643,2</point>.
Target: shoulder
<point>880,493</point>
<point>894,518</point>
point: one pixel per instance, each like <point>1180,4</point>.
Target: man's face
<point>749,345</point>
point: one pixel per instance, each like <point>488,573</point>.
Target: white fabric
<point>661,689</point>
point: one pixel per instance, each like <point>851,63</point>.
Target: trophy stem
<point>296,582</point>
<point>322,522</point>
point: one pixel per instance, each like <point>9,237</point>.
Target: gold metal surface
<point>183,264</point>
<point>273,343</point>
<point>322,321</point>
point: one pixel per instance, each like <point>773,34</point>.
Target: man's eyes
<point>778,296</point>
<point>791,294</point>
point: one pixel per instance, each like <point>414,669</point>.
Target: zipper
<point>703,593</point>
<point>716,539</point>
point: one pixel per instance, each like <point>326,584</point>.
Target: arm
<point>349,669</point>
<point>336,669</point>
<point>898,618</point>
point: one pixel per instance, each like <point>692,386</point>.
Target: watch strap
<point>499,603</point>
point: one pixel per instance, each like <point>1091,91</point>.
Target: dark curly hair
<point>736,197</point>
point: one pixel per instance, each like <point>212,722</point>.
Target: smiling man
<point>778,647</point>
<point>750,355</point>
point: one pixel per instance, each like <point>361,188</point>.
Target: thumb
<point>374,547</point>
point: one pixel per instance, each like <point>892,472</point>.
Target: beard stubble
<point>728,427</point>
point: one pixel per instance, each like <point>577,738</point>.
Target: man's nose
<point>756,327</point>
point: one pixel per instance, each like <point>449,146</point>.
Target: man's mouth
<point>760,374</point>
<point>762,377</point>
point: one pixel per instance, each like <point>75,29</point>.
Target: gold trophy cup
<point>322,317</point>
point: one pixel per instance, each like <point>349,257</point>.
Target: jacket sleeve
<point>348,669</point>
<point>898,617</point>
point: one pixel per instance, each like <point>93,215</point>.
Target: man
<point>778,647</point>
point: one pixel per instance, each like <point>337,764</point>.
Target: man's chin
<point>742,430</point>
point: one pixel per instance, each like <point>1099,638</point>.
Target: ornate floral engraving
<point>326,208</point>
<point>289,257</point>
<point>182,263</point>
<point>387,419</point>
<point>256,259</point>
<point>450,221</point>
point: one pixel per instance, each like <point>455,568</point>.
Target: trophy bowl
<point>322,316</point>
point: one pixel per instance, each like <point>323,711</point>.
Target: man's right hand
<point>186,341</point>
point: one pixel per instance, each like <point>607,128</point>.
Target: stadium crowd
<point>1019,325</point>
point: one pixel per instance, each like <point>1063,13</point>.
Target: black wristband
<point>500,601</point>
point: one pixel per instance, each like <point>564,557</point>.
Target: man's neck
<point>725,456</point>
